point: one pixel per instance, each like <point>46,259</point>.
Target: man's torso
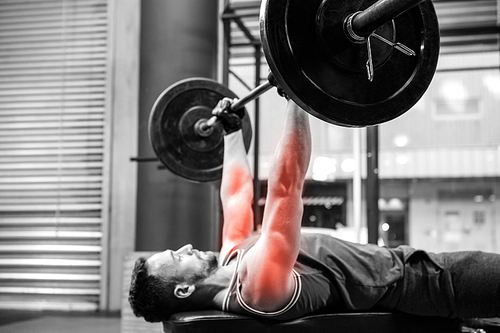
<point>329,274</point>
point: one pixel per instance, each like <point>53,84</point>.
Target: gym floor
<point>58,322</point>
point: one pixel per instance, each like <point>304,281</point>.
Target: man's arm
<point>268,283</point>
<point>236,192</point>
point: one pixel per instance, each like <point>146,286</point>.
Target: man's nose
<point>188,248</point>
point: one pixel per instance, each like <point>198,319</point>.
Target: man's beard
<point>211,265</point>
<point>211,262</point>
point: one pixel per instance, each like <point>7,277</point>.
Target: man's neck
<point>221,278</point>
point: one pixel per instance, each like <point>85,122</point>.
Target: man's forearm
<point>236,191</point>
<point>293,152</point>
<point>236,174</point>
<point>284,207</point>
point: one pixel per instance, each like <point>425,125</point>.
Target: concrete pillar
<point>178,40</point>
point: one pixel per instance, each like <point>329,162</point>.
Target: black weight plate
<point>172,131</point>
<point>325,74</point>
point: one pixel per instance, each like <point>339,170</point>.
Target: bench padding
<point>221,322</point>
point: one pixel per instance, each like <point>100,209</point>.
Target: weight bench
<point>212,321</point>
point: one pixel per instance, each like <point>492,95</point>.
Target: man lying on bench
<point>281,274</point>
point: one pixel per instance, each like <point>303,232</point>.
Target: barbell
<point>350,63</point>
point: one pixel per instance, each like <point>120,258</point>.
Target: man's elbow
<point>288,180</point>
<point>285,187</point>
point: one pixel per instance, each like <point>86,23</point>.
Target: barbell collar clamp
<point>211,122</point>
<point>382,11</point>
<point>349,31</point>
<point>202,128</point>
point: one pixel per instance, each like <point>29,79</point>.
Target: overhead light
<point>348,165</point>
<point>492,82</point>
<point>401,140</point>
<point>324,168</point>
<point>454,90</point>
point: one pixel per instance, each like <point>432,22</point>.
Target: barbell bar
<point>357,27</point>
<point>238,104</point>
<point>319,53</point>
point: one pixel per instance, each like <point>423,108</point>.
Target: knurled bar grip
<point>253,94</point>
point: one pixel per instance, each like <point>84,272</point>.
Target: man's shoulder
<point>229,253</point>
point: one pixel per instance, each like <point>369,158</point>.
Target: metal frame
<point>235,13</point>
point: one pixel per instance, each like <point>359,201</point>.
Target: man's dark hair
<point>152,297</point>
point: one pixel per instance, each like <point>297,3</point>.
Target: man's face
<point>185,263</point>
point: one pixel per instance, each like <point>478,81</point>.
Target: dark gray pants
<point>458,284</point>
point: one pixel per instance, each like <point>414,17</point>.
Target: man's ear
<point>184,290</point>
